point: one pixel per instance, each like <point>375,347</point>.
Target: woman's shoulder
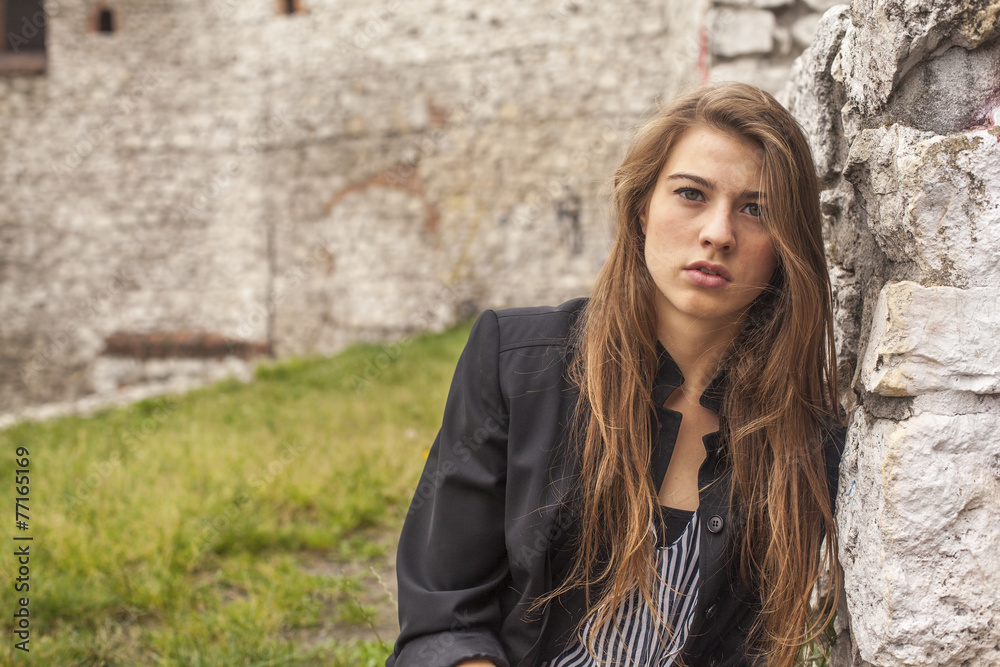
<point>536,326</point>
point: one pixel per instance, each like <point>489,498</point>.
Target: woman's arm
<point>452,556</point>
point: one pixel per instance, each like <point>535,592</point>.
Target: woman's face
<point>706,246</point>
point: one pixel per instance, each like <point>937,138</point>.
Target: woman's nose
<point>718,229</point>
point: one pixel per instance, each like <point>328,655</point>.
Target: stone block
<point>918,540</point>
<point>823,5</point>
<point>783,41</point>
<point>771,78</point>
<point>757,4</point>
<point>740,32</point>
<point>804,29</point>
<point>932,202</point>
<point>930,339</point>
<point>945,94</point>
<point>889,37</point>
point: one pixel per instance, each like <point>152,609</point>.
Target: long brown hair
<point>781,389</point>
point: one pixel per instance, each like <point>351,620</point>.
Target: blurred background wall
<point>188,186</point>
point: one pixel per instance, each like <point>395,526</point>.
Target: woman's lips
<point>704,279</point>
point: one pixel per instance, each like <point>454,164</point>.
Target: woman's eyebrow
<point>709,185</point>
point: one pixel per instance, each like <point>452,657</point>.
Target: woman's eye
<point>752,209</point>
<point>690,194</point>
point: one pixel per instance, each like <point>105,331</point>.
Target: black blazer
<point>488,528</point>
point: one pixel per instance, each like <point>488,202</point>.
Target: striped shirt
<point>632,637</point>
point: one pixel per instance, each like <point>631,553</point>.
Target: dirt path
<point>378,593</point>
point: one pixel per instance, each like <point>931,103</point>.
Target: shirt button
<point>715,524</point>
<point>710,612</point>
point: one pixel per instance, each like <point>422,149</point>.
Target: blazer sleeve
<point>452,558</point>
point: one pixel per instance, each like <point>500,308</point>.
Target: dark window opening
<point>106,21</point>
<point>22,36</point>
<point>23,23</point>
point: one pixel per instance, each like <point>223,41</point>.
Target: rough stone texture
<point>921,547</point>
<point>930,339</point>
<point>760,4</point>
<point>804,30</point>
<point>757,41</point>
<point>900,103</point>
<point>740,32</point>
<point>358,171</point>
<point>889,37</point>
<point>813,97</point>
<point>918,100</point>
<point>932,202</point>
<point>822,5</point>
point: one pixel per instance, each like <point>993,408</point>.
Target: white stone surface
<point>822,5</point>
<point>813,94</point>
<point>771,78</point>
<point>760,4</point>
<point>932,201</point>
<point>888,37</point>
<point>919,541</point>
<point>738,32</point>
<point>898,98</point>
<point>930,339</point>
<point>804,29</point>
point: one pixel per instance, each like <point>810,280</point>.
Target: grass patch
<point>174,531</point>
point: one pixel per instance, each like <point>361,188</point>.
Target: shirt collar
<point>669,377</point>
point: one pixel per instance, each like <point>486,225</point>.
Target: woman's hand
<point>476,663</point>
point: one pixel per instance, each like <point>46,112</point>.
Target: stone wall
<point>218,181</point>
<point>902,104</point>
<point>215,171</point>
<point>287,184</point>
<point>756,41</point>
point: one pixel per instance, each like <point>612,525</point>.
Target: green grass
<point>185,530</point>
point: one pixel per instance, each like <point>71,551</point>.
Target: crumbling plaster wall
<point>901,100</point>
<point>358,171</point>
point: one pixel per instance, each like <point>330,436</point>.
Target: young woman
<point>646,477</point>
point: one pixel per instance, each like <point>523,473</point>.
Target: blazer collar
<point>669,377</point>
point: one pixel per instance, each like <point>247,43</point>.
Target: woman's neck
<point>699,352</point>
